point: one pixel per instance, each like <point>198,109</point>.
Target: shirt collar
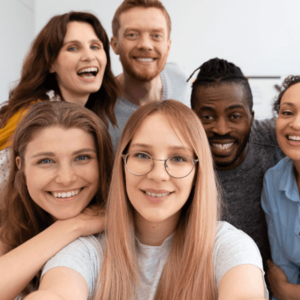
<point>288,182</point>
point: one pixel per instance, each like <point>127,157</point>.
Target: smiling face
<point>61,170</point>
<point>227,120</point>
<point>143,42</point>
<point>288,124</point>
<point>80,64</point>
<point>156,196</point>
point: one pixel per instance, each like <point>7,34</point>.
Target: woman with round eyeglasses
<point>163,239</point>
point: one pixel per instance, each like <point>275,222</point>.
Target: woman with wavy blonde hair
<point>163,239</point>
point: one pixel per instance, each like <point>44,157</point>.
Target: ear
<point>114,44</point>
<point>18,162</point>
<point>52,69</point>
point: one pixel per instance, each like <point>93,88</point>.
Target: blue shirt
<point>281,203</point>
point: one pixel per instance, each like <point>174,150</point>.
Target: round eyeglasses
<point>141,163</point>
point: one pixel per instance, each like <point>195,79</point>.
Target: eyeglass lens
<point>140,163</point>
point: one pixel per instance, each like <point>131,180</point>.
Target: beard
<point>145,73</point>
<point>238,154</point>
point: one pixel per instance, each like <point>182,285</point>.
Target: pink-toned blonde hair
<point>188,272</point>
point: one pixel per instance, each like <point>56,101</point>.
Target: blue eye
<point>73,48</point>
<point>45,161</point>
<point>95,47</point>
<point>141,155</point>
<point>178,159</point>
<point>82,157</point>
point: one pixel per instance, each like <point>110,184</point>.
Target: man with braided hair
<point>243,149</point>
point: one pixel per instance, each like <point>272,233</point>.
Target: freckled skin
<point>226,118</point>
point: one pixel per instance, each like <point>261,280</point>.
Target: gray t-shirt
<point>232,248</point>
<point>242,186</point>
<point>175,87</point>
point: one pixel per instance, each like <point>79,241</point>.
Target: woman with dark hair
<point>280,196</point>
<point>70,57</point>
<point>63,161</point>
<point>162,238</point>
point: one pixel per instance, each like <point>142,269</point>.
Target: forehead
<point>57,139</point>
<point>140,18</point>
<point>79,30</point>
<point>158,132</point>
<point>292,94</point>
<point>220,96</point>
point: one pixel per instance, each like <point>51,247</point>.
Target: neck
<point>75,98</point>
<point>154,233</point>
<point>140,92</point>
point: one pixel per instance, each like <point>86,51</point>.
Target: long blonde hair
<point>188,272</point>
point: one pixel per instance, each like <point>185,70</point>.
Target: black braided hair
<point>215,72</point>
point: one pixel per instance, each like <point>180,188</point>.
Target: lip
<point>86,79</point>
<point>156,199</point>
<point>293,142</point>
<point>66,199</point>
<point>225,151</point>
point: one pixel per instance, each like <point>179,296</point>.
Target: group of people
<point>141,186</point>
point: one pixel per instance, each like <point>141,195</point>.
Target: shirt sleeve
<point>232,248</point>
<point>5,160</point>
<point>82,255</point>
<point>278,257</point>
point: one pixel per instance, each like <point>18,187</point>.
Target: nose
<point>295,122</point>
<point>88,54</point>
<point>65,174</point>
<point>158,171</point>
<point>145,42</point>
<point>221,127</point>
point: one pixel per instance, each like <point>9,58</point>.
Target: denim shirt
<point>281,203</point>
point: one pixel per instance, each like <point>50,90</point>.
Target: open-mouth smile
<point>88,72</point>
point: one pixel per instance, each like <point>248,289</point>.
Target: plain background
<point>262,37</point>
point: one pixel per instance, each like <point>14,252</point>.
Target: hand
<point>277,280</point>
<point>91,220</point>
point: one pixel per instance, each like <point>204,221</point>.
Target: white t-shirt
<point>232,248</point>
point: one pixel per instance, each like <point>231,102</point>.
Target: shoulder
<point>233,247</point>
<point>82,255</point>
<point>284,165</point>
<point>173,69</point>
<point>264,132</point>
<point>174,83</point>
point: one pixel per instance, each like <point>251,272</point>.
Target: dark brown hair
<point>20,217</point>
<point>36,80</point>
<point>287,83</point>
<point>129,4</point>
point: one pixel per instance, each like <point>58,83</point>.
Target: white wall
<point>16,34</point>
<point>260,36</point>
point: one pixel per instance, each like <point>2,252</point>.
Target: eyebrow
<point>234,106</point>
<point>78,42</point>
<point>51,154</point>
<point>137,145</point>
<point>287,103</point>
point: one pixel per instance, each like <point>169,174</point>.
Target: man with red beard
<point>141,37</point>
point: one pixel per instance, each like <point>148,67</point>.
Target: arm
<point>19,266</point>
<point>280,286</point>
<point>61,284</point>
<point>243,282</point>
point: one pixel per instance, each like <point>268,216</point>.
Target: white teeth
<point>145,59</point>
<point>157,195</point>
<point>294,137</point>
<point>222,146</point>
<point>87,70</point>
<point>65,194</point>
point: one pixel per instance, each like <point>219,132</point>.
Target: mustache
<point>221,137</point>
